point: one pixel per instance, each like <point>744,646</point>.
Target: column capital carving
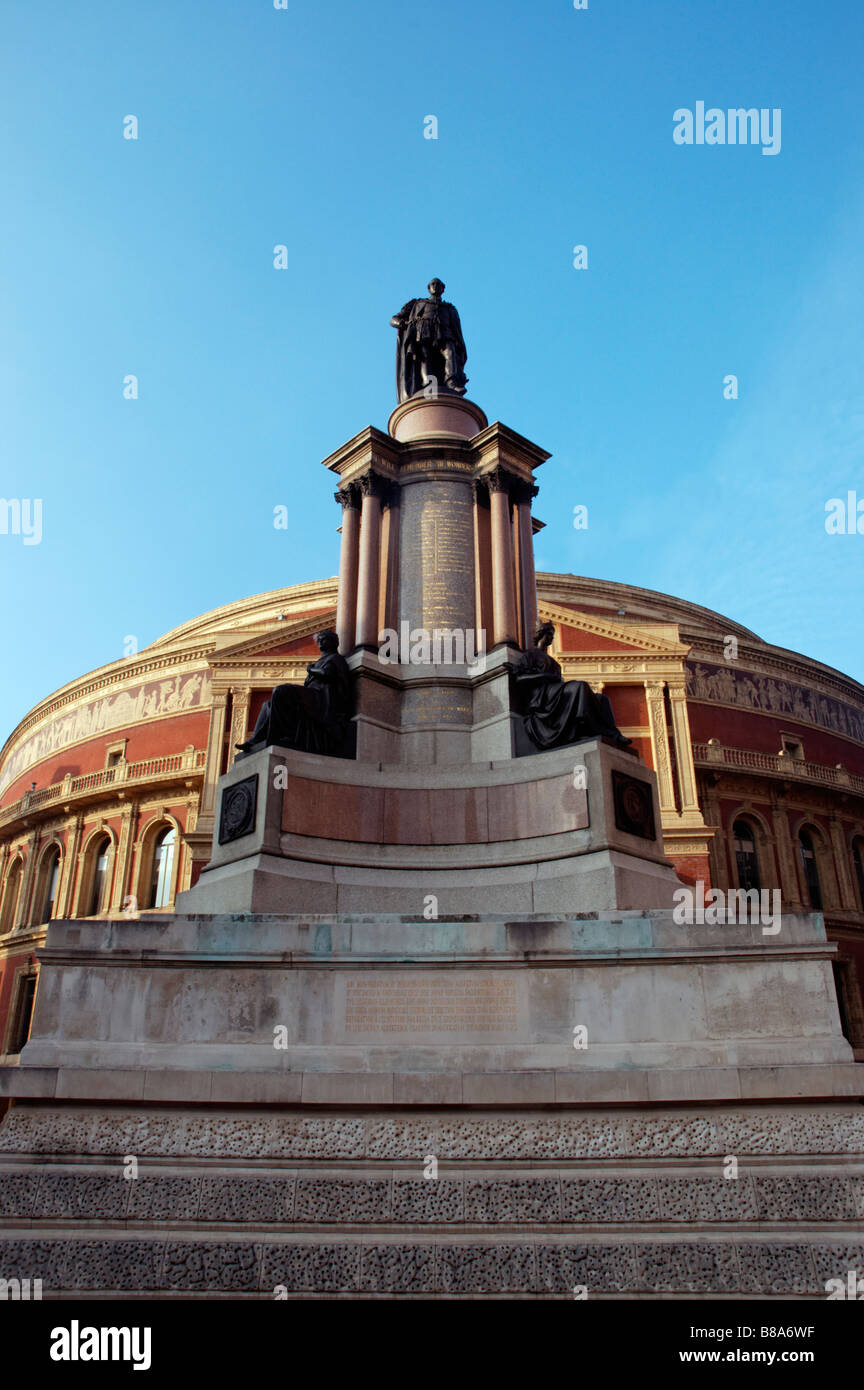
<point>373,485</point>
<point>348,496</point>
<point>498,479</point>
<point>523,493</point>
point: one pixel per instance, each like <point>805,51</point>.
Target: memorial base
<point>259,1107</point>
<point>577,828</point>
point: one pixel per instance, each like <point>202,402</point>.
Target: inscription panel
<point>406,1006</point>
<point>436,555</point>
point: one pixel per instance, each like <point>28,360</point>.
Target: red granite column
<point>527,578</point>
<point>503,575</point>
<point>370,563</point>
<point>346,603</point>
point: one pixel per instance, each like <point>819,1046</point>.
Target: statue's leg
<point>258,736</point>
<point>451,371</point>
<point>284,710</point>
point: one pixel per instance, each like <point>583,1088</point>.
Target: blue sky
<point>304,127</point>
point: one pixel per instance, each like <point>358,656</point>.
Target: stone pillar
<point>28,878</point>
<point>215,743</point>
<point>504,627</point>
<point>527,579</point>
<point>718,861</point>
<point>369,568</point>
<point>683,747</point>
<point>125,850</point>
<point>788,858</point>
<point>482,564</point>
<point>239,718</point>
<point>349,555</point>
<point>388,587</point>
<point>184,870</point>
<point>660,744</point>
<point>63,907</point>
<point>839,844</point>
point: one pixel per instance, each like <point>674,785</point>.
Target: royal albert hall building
<point>107,787</point>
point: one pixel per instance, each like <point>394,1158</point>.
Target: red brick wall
<point>692,868</point>
<point>169,735</point>
<point>739,728</point>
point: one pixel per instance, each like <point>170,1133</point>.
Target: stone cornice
<point>262,643</point>
<point>300,597</point>
<point>578,589</point>
<point>640,640</point>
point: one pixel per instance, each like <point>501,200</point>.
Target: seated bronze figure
<point>556,712</point>
<point>314,717</point>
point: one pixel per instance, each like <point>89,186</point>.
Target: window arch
<point>47,885</point>
<point>161,885</point>
<point>746,854</point>
<point>100,876</point>
<point>9,905</point>
<point>811,868</point>
<point>858,866</point>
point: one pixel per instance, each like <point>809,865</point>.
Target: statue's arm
<point>538,676</point>
<point>399,320</point>
<point>458,322</point>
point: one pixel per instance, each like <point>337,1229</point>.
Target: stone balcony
<point>713,754</point>
<point>92,785</point>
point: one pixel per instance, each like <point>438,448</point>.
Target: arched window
<point>10,898</point>
<point>22,1014</point>
<point>746,857</point>
<point>100,857</point>
<point>162,872</point>
<point>811,869</point>
<point>46,892</point>
<point>858,865</point>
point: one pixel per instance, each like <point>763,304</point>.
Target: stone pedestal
<point>396,1108</point>
<point>528,835</point>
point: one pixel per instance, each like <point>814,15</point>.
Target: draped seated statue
<point>314,717</point>
<point>556,712</point>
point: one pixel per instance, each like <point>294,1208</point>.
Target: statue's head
<point>544,634</point>
<point>436,287</point>
<point>328,640</point>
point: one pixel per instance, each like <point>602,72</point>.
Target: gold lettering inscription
<point>431,1006</point>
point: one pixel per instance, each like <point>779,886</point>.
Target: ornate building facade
<point>107,787</point>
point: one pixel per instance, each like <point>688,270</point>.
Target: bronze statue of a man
<point>313,717</point>
<point>430,349</point>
